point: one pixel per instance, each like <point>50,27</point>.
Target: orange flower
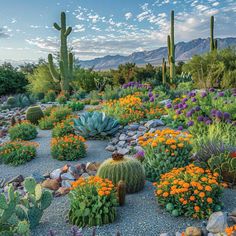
<point>165,194</point>
<point>192,198</point>
<point>197,208</point>
<point>209,200</point>
<point>208,188</point>
<point>202,194</point>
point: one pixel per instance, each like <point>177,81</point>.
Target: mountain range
<point>183,52</point>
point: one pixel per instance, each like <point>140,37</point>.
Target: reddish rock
<point>51,184</point>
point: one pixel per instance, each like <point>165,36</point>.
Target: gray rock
<point>55,174</point>
<point>17,179</point>
<point>122,137</point>
<point>123,151</point>
<point>131,133</point>
<point>65,183</point>
<point>165,234</point>
<point>178,234</point>
<point>67,176</point>
<point>217,222</point>
<point>134,127</point>
<point>142,128</point>
<point>110,148</point>
<point>114,141</point>
<point>121,143</point>
<point>165,101</point>
<point>73,170</point>
<point>85,175</point>
<point>154,123</point>
<point>38,177</point>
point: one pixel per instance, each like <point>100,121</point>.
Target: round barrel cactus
<point>34,114</point>
<point>123,168</point>
<point>11,101</point>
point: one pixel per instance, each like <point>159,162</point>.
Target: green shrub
<point>23,131</point>
<point>123,168</point>
<point>111,93</point>
<point>68,148</point>
<point>75,105</point>
<point>50,96</point>
<point>96,125</point>
<point>61,98</point>
<point>63,128</point>
<point>46,123</point>
<point>93,202</point>
<point>17,153</point>
<point>11,101</point>
<point>48,110</point>
<point>34,114</point>
<point>60,113</point>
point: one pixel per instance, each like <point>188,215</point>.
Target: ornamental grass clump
<point>17,152</point>
<point>93,202</point>
<point>164,150</point>
<point>191,191</point>
<point>70,147</point>
<point>23,131</point>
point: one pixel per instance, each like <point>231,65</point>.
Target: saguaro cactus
<point>163,71</point>
<point>171,49</point>
<point>213,42</point>
<point>66,59</point>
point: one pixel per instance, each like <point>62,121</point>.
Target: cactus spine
<point>213,42</point>
<point>66,59</point>
<point>163,71</point>
<point>123,168</point>
<point>121,192</point>
<point>171,49</point>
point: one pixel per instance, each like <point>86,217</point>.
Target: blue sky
<point>102,27</point>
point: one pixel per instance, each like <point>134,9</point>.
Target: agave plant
<point>96,124</point>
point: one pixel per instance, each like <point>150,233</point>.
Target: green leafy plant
<point>123,168</point>
<point>75,105</point>
<point>96,124</point>
<point>17,153</point>
<point>225,164</point>
<point>11,101</point>
<point>70,147</point>
<point>93,202</point>
<point>60,113</point>
<point>50,96</point>
<point>63,128</point>
<point>23,131</point>
<point>34,114</point>
<point>61,98</point>
<point>164,150</point>
<point>46,123</point>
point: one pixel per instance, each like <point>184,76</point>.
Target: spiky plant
<point>34,114</point>
<point>163,71</point>
<point>123,168</point>
<point>121,192</point>
<point>213,42</point>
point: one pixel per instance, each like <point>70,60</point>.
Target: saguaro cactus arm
<point>213,42</point>
<point>53,71</point>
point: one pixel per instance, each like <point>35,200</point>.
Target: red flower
<point>233,154</point>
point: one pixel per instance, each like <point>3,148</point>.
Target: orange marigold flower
<point>208,188</point>
<point>202,194</point>
<point>197,208</point>
<point>209,200</point>
<point>165,194</point>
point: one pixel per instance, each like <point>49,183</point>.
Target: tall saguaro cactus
<point>171,48</point>
<point>66,59</point>
<point>213,42</point>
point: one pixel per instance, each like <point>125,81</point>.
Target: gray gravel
<point>141,216</point>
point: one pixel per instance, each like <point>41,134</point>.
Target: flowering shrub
<point>63,128</point>
<point>131,109</point>
<point>46,123</point>
<point>93,202</point>
<point>18,152</point>
<point>23,131</point>
<point>70,147</point>
<point>60,113</point>
<point>164,150</point>
<point>61,98</point>
<point>75,105</point>
<point>190,191</point>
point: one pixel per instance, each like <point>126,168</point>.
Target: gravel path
<point>141,215</point>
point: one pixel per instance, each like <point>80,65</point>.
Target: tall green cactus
<point>163,71</point>
<point>171,48</point>
<point>213,42</point>
<point>66,59</point>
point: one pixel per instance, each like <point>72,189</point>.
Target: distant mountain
<point>184,51</point>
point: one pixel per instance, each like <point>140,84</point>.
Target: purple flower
<point>200,118</point>
<point>221,94</point>
<point>140,153</point>
<point>150,94</point>
<point>197,108</point>
<point>208,122</point>
<point>213,112</point>
<point>157,95</point>
<point>184,100</point>
<point>168,105</point>
<point>180,105</point>
<point>189,114</point>
<point>175,106</point>
<point>151,99</point>
<point>203,94</point>
<point>193,99</point>
<point>190,123</point>
<point>229,121</point>
<point>180,127</point>
<point>219,114</point>
<point>226,115</point>
<point>234,94</point>
<point>185,106</point>
<point>211,89</point>
<point>178,112</point>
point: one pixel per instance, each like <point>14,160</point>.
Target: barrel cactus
<point>11,101</point>
<point>34,114</point>
<point>123,168</point>
<point>96,124</point>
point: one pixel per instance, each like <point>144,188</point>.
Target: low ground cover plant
<point>70,147</point>
<point>191,191</point>
<point>23,131</point>
<point>93,202</point>
<point>75,105</point>
<point>164,150</point>
<point>18,152</point>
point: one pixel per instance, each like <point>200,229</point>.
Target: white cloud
<point>128,15</point>
<point>79,28</point>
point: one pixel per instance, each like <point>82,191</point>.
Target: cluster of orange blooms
<point>172,138</point>
<point>230,230</point>
<point>64,122</point>
<point>15,145</point>
<point>193,188</point>
<point>66,140</point>
<point>155,112</point>
<point>104,187</point>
